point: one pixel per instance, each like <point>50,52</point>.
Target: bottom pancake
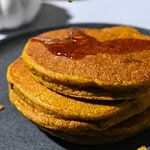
<point>38,116</point>
<point>84,140</point>
<point>72,131</point>
<point>129,127</point>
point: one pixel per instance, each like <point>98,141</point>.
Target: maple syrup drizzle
<point>77,45</point>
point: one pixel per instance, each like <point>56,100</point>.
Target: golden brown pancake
<point>52,124</point>
<point>84,140</point>
<point>104,113</point>
<point>34,114</point>
<point>89,92</point>
<point>130,127</point>
<point>113,59</point>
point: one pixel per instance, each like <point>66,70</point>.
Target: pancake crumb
<point>1,107</point>
<point>142,148</point>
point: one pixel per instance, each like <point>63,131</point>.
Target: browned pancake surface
<point>126,64</point>
<point>35,113</point>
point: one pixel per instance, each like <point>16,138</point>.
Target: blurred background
<point>39,14</point>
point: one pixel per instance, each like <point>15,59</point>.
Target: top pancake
<point>119,62</point>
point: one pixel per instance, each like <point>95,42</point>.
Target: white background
<point>130,12</point>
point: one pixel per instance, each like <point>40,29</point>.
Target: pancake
<point>103,114</point>
<point>122,131</point>
<point>43,120</point>
<point>114,59</point>
<point>86,86</point>
<point>89,92</point>
<point>38,116</point>
<point>84,140</point>
<point>130,127</point>
<point>52,124</point>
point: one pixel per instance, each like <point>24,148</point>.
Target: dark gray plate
<point>17,132</point>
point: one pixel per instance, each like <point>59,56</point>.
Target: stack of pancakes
<point>84,85</point>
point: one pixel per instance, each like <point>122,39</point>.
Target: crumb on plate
<point>1,107</point>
